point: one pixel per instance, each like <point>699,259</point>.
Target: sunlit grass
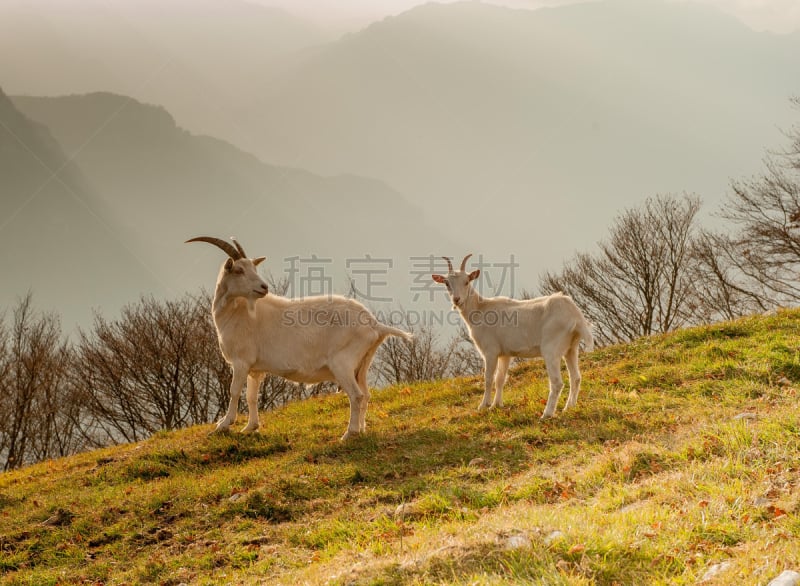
<point>682,453</point>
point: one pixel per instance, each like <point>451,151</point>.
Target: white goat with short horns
<point>502,328</point>
<point>309,340</point>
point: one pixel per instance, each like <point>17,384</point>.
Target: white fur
<point>502,328</point>
<point>306,340</point>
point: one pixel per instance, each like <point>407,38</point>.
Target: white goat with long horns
<point>309,340</point>
<point>502,328</point>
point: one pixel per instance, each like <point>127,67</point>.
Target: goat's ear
<point>228,265</point>
<point>439,279</point>
<point>474,274</point>
<point>259,260</point>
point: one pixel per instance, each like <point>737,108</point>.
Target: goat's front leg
<point>237,382</point>
<point>490,361</point>
<point>253,385</point>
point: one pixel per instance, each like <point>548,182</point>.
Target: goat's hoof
<point>483,407</point>
<point>220,429</point>
<point>250,429</point>
<point>497,405</point>
<point>546,416</point>
<point>350,433</point>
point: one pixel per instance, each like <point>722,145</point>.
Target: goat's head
<point>238,276</point>
<point>457,282</point>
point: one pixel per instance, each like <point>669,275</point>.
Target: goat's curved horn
<point>238,247</point>
<point>449,264</point>
<point>226,247</point>
<point>464,262</point>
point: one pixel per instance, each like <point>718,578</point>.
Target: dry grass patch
<point>682,453</point>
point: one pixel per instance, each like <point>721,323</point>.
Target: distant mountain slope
<point>514,131</point>
<point>165,185</point>
<point>199,58</point>
<point>568,114</point>
<point>57,237</point>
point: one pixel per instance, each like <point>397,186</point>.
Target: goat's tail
<point>584,330</point>
<point>385,331</point>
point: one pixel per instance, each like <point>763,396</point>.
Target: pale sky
<point>774,15</point>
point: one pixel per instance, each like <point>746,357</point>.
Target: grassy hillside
<point>683,453</point>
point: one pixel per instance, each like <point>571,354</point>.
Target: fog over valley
<point>348,145</point>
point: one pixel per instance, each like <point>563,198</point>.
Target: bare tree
<point>468,361</point>
<point>424,357</point>
<point>764,245</point>
<point>639,283</point>
<point>156,367</point>
<point>38,412</point>
<point>276,391</point>
<point>720,289</point>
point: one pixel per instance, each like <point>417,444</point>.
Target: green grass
<point>650,480</point>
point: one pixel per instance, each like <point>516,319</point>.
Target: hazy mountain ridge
<point>165,185</point>
<point>57,237</point>
<point>178,53</point>
<point>512,131</point>
<point>136,149</point>
<point>599,102</point>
